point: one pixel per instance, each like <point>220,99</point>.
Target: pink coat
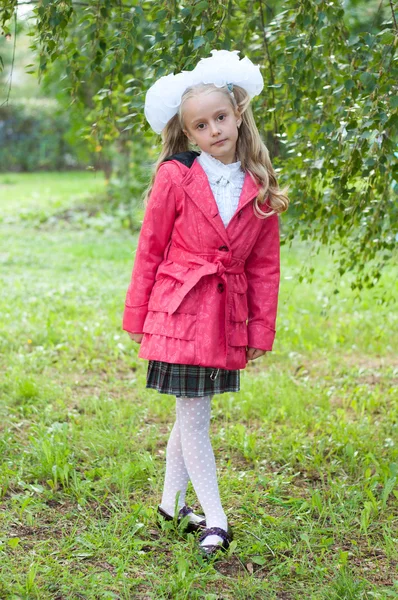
<point>199,292</point>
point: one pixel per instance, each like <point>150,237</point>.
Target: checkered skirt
<point>190,381</point>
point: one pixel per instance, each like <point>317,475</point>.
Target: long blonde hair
<point>250,149</point>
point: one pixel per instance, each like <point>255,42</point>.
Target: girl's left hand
<point>253,353</point>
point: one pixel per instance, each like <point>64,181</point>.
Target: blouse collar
<point>216,170</point>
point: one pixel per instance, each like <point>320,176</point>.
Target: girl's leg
<point>176,476</point>
<point>194,419</point>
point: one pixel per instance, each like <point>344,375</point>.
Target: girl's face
<point>211,123</point>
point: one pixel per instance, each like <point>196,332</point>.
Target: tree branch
<point>393,16</point>
<point>276,127</point>
<point>12,62</point>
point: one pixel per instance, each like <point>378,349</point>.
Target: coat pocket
<point>180,326</point>
<point>164,291</point>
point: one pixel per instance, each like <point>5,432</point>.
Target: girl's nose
<point>214,128</point>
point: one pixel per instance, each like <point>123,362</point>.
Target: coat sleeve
<point>263,275</point>
<point>154,237</point>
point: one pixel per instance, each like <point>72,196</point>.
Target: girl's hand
<point>136,337</point>
<point>253,353</point>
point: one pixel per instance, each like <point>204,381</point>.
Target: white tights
<point>189,456</point>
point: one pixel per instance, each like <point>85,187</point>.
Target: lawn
<point>306,452</point>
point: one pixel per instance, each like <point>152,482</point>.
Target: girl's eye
<point>199,125</point>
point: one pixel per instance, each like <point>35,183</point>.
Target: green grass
<point>30,195</point>
<point>306,451</point>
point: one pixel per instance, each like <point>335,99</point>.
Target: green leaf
<point>199,8</point>
<point>161,14</point>
<point>349,84</point>
<point>259,560</point>
<point>388,488</point>
<point>386,36</point>
<point>199,41</point>
<point>232,547</point>
<point>394,101</point>
<point>210,35</point>
<point>369,80</point>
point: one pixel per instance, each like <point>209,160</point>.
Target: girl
<point>203,296</point>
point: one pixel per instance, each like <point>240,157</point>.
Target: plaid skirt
<point>190,381</point>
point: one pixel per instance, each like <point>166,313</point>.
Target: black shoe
<point>185,510</point>
<point>212,549</point>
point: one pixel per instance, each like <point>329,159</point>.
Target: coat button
<point>220,287</point>
<point>224,248</point>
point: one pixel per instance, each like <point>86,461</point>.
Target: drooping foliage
<point>328,112</point>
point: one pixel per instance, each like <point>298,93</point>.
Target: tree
<point>328,113</point>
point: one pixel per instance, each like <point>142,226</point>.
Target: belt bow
<point>205,267</point>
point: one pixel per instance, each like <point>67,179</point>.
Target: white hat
<point>163,98</point>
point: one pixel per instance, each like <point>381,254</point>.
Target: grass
<point>306,451</point>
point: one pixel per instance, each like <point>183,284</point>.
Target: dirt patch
<point>35,533</point>
<point>231,567</point>
<point>370,362</point>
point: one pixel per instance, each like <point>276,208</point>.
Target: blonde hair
<point>251,150</point>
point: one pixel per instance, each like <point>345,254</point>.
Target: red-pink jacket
<point>199,292</point>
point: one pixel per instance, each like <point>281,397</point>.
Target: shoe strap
<point>215,531</point>
<point>185,510</point>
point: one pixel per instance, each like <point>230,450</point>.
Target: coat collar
<point>196,179</point>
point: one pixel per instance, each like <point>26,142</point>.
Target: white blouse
<point>226,182</point>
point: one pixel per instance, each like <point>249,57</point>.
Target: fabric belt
<point>203,267</point>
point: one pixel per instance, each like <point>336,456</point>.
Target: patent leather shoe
<point>184,511</point>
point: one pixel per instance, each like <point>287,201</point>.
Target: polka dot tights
<point>190,456</point>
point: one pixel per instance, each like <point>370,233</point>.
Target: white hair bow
<point>163,98</point>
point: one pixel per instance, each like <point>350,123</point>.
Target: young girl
<point>203,296</point>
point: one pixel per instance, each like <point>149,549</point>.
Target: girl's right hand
<point>136,337</point>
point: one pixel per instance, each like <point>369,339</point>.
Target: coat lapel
<point>249,191</point>
<point>197,186</point>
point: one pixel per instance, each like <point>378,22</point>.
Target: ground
<point>306,451</point>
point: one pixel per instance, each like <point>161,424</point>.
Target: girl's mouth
<point>219,142</point>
